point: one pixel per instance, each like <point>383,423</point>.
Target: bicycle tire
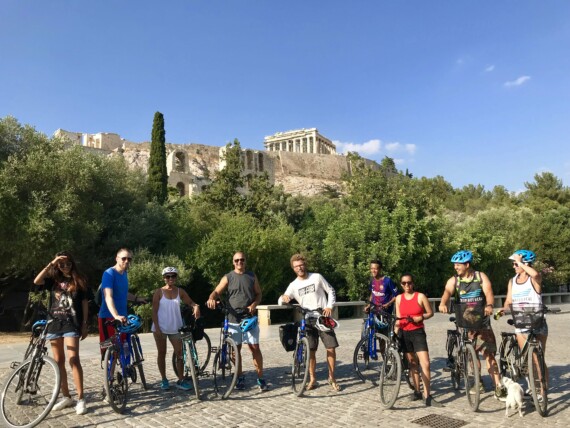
<point>471,375</point>
<point>390,378</point>
<point>368,366</point>
<point>138,359</point>
<point>116,385</point>
<point>407,373</point>
<point>39,379</point>
<point>204,350</point>
<point>456,370</point>
<point>300,367</point>
<point>225,367</point>
<point>190,362</point>
<point>537,379</point>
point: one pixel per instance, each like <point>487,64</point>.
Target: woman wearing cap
<point>525,289</point>
<point>68,312</point>
<point>416,308</point>
<point>167,320</point>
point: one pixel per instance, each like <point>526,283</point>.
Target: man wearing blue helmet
<point>244,293</point>
<point>470,287</point>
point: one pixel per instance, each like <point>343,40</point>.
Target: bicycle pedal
<point>14,364</point>
<point>214,350</point>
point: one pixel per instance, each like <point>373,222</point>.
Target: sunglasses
<point>130,259</point>
<point>406,282</point>
<point>170,276</point>
<point>239,260</point>
<point>65,265</point>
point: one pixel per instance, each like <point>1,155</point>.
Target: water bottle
<point>126,349</point>
<point>498,315</point>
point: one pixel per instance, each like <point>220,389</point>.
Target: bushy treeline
<point>54,197</point>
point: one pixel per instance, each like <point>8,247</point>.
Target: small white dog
<point>515,395</point>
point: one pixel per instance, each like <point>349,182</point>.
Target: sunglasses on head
<point>239,260</point>
<point>130,259</point>
<point>170,276</point>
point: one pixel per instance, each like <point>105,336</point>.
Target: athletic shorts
<point>483,340</point>
<point>414,341</point>
<point>53,336</point>
<point>250,337</point>
<point>542,331</point>
<point>328,338</point>
<point>171,336</point>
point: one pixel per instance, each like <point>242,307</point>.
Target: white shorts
<point>251,337</point>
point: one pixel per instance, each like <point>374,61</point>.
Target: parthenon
<point>299,141</point>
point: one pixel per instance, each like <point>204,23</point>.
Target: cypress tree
<point>157,176</point>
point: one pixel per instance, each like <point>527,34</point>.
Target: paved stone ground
<point>356,405</point>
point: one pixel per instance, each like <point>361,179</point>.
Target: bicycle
<point>365,360</point>
<point>202,344</point>
<point>528,361</point>
<point>192,365</point>
<point>226,359</point>
<point>31,391</point>
<point>394,363</point>
<point>117,361</point>
<point>462,357</point>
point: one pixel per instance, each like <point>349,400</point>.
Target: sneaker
<point>164,385</point>
<point>64,403</point>
<point>80,407</point>
<point>481,386</point>
<point>240,385</point>
<point>416,396</point>
<point>501,393</point>
<point>432,402</point>
<point>184,385</point>
<point>262,384</point>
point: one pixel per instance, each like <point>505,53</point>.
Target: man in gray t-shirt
<point>244,294</point>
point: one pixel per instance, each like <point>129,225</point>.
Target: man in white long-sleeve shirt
<point>313,292</point>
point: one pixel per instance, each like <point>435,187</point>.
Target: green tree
<point>16,139</point>
<point>157,175</point>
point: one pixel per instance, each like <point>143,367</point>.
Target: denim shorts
<point>53,336</point>
<point>251,337</point>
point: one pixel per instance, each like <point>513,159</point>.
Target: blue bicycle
<point>118,364</point>
<point>227,358</point>
<point>300,366</point>
<point>367,360</point>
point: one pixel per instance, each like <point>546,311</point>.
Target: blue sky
<point>477,92</point>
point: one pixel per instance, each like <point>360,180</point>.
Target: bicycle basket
<point>198,329</point>
<point>288,336</point>
<point>470,315</point>
<point>528,316</point>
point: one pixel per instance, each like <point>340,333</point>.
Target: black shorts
<point>414,341</point>
<point>328,338</point>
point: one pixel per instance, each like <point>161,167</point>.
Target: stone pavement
<point>356,405</point>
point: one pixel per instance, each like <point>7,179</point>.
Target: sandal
<point>311,385</point>
<point>335,386</point>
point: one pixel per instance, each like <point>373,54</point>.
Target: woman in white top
<point>167,320</point>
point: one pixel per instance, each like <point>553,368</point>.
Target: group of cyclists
<point>69,310</point>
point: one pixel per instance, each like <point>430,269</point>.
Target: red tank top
<point>410,308</point>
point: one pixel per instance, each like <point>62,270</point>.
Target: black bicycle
<point>529,361</point>
<point>463,362</point>
<point>31,390</point>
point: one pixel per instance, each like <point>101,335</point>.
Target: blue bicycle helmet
<point>527,256</point>
<point>38,327</point>
<point>380,321</point>
<point>462,256</point>
<point>248,324</point>
<point>134,322</point>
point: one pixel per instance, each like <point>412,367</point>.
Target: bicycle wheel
<point>116,385</point>
<point>407,373</point>
<point>300,367</point>
<point>192,364</point>
<point>204,350</point>
<point>138,359</point>
<point>225,367</point>
<point>30,392</point>
<point>456,370</point>
<point>537,379</point>
<point>471,375</point>
<point>390,378</point>
<point>367,362</point>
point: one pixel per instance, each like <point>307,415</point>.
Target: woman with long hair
<point>68,312</point>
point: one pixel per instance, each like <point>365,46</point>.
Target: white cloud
<point>399,148</point>
<point>368,148</point>
<point>399,161</point>
<point>489,68</point>
<point>517,82</point>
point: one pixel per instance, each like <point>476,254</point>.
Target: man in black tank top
<point>244,294</point>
